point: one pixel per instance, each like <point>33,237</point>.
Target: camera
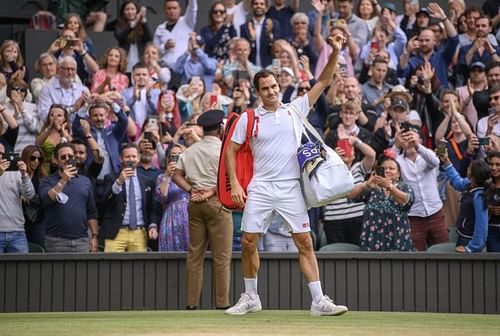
<point>421,80</point>
<point>380,171</point>
<point>13,159</point>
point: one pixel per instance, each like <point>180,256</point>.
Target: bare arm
<point>318,41</point>
<point>237,193</point>
<point>179,178</point>
<point>294,5</point>
<point>326,75</point>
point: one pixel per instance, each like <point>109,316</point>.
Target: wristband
<point>84,53</point>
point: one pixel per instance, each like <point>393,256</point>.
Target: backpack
<point>244,159</point>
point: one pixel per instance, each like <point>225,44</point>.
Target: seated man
<point>129,216</point>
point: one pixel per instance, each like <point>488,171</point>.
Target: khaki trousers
<point>209,225</point>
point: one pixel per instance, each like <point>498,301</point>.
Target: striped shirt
<point>344,208</point>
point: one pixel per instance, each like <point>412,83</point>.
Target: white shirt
<point>275,146</point>
<point>141,108</point>
<point>239,16</point>
<point>179,34</point>
<point>421,176</point>
<point>482,127</point>
<point>258,31</point>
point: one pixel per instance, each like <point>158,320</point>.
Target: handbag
<point>32,210</point>
<point>324,177</point>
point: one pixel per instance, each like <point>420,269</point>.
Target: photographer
<point>70,209</point>
<point>15,183</point>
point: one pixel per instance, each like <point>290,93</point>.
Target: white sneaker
<point>326,307</point>
<point>245,305</point>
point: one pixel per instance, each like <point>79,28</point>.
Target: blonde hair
<point>7,44</point>
<point>122,67</point>
<point>82,34</point>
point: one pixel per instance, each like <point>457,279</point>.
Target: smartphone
<point>152,122</point>
<point>441,147</point>
<point>191,124</point>
<point>213,100</point>
<point>71,162</point>
<point>492,110</point>
<point>13,159</point>
<point>374,45</point>
<point>484,141</point>
<point>380,171</point>
<point>345,146</point>
<point>129,164</point>
<point>276,63</point>
<point>174,157</point>
<point>405,127</point>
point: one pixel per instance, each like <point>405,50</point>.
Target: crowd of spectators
<point>89,145</point>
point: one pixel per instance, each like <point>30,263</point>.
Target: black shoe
<point>191,307</point>
<point>222,308</point>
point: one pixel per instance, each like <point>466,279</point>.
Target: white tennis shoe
<point>326,307</point>
<point>245,305</point>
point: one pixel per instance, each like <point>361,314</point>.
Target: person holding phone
<point>12,62</point>
<point>131,214</point>
<point>14,183</point>
<point>388,200</point>
<point>173,233</point>
<point>70,210</point>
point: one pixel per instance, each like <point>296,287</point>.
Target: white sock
<point>316,291</point>
<point>251,287</point>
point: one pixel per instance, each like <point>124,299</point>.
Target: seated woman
<point>472,222</point>
<point>23,112</point>
<point>388,200</point>
<point>57,129</point>
<point>12,62</point>
<point>111,76</point>
<point>47,66</point>
<point>132,32</point>
<point>173,234</point>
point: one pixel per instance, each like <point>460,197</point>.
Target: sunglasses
<point>19,89</point>
<point>36,158</point>
<point>304,89</point>
<point>66,157</point>
<point>219,12</point>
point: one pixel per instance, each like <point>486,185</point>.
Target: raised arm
<point>318,40</point>
<point>328,71</point>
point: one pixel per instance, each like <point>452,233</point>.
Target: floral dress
<point>174,225</point>
<point>386,226</point>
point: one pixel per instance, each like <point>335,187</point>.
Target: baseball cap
<point>477,65</point>
<point>390,6</point>
<point>288,71</point>
<point>423,11</point>
<point>399,102</point>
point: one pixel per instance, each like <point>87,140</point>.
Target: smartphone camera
<point>421,80</point>
<point>71,162</point>
<point>129,164</point>
<point>484,141</point>
<point>13,159</point>
<point>380,171</point>
<point>174,158</point>
<point>492,110</point>
<point>441,147</point>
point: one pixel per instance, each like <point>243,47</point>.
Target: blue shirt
<point>485,58</point>
<point>478,241</point>
<point>204,67</point>
<point>438,59</point>
<point>68,220</point>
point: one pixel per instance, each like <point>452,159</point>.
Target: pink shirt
<point>119,83</point>
<point>469,110</point>
<point>323,59</point>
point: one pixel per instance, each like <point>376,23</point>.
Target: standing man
<point>170,36</point>
<point>209,222</point>
<point>129,216</point>
<point>14,185</point>
<point>275,186</point>
<point>70,210</point>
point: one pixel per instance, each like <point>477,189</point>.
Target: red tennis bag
<point>244,159</point>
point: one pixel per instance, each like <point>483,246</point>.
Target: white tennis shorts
<point>284,197</point>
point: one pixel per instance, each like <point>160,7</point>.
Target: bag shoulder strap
<point>308,126</point>
<point>250,123</point>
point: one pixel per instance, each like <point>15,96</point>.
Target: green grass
<point>207,322</point>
